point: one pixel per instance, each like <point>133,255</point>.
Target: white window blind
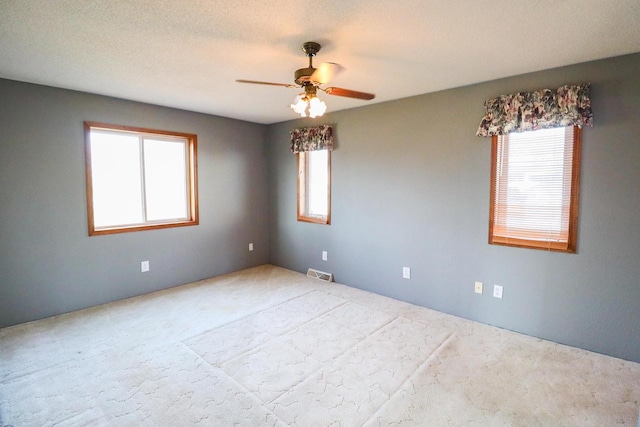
<point>535,188</point>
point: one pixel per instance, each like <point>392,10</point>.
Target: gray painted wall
<point>49,264</point>
<point>411,188</point>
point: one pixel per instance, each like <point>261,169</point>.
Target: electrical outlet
<point>497,291</point>
<point>250,247</point>
<point>324,255</point>
<point>406,273</point>
<point>144,266</point>
<point>478,288</point>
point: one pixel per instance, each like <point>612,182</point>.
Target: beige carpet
<point>270,347</point>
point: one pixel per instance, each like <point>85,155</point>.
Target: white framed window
<point>314,186</point>
<point>535,180</point>
<point>139,179</point>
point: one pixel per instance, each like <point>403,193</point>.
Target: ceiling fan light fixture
<point>310,104</point>
<point>316,107</point>
<point>300,104</point>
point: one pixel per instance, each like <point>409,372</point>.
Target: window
<point>314,186</point>
<point>139,179</point>
<point>534,189</point>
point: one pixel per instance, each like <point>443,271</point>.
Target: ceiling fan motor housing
<point>303,75</point>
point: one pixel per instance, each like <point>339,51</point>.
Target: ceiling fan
<point>310,79</point>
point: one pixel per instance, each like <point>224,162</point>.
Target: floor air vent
<point>320,275</point>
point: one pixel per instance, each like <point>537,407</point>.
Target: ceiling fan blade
<point>266,83</point>
<point>324,73</point>
<point>349,93</point>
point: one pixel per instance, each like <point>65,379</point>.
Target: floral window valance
<point>312,139</point>
<point>547,108</point>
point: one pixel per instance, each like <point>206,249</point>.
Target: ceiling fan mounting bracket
<point>311,48</point>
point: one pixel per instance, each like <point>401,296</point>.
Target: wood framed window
<point>314,186</point>
<point>139,179</point>
<point>535,182</point>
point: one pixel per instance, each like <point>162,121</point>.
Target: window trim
<point>568,247</point>
<point>192,180</point>
<point>301,186</point>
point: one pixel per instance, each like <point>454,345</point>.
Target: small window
<point>314,186</point>
<point>535,179</point>
<point>139,179</point>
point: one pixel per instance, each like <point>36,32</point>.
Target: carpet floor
<point>270,347</point>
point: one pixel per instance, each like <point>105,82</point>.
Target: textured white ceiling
<point>188,53</point>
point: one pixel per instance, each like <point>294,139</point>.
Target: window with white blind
<point>535,179</point>
<point>314,186</point>
<point>139,179</point>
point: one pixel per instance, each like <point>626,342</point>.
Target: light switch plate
<point>406,273</point>
<point>478,288</point>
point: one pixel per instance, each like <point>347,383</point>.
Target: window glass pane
<point>165,173</point>
<point>116,181</point>
<point>140,179</point>
<point>317,183</point>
